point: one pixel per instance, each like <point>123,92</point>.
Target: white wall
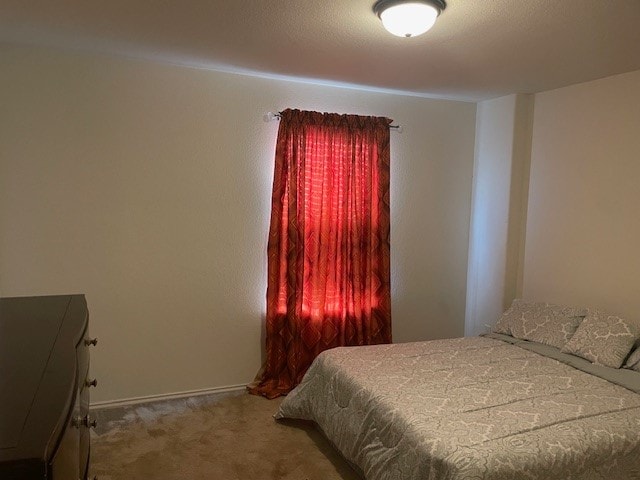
<point>583,225</point>
<point>502,154</point>
<point>147,187</point>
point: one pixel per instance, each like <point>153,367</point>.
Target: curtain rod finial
<point>270,117</point>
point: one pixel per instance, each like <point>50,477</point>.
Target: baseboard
<point>125,402</point>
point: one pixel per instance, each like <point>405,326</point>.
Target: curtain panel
<point>328,249</point>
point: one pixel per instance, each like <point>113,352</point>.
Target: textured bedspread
<point>469,408</point>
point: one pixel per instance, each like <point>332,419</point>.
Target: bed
<point>482,408</point>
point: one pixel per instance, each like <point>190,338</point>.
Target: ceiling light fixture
<point>408,18</point>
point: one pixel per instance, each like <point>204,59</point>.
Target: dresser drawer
<point>85,383</point>
<point>65,461</point>
<point>84,431</point>
<point>82,355</point>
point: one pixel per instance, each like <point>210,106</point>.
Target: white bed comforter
<point>469,408</point>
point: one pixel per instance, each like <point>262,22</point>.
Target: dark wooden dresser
<point>44,388</point>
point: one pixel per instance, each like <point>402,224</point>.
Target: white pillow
<point>603,339</point>
<point>540,322</point>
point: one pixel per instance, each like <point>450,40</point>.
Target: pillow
<point>540,322</point>
<point>633,362</point>
<point>511,315</point>
<point>603,339</point>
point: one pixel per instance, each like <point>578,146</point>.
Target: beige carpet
<point>228,439</point>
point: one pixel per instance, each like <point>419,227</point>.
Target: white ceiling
<point>478,49</point>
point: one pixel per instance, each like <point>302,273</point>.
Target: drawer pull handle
<point>91,383</point>
<point>89,422</point>
<point>93,341</point>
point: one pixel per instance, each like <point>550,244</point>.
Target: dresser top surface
<point>28,331</point>
<point>38,336</point>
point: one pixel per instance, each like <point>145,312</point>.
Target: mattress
<point>476,408</point>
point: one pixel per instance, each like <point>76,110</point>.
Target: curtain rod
<point>270,116</point>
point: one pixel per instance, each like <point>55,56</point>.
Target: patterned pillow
<point>603,339</point>
<point>540,322</point>
<point>513,313</point>
<point>633,362</point>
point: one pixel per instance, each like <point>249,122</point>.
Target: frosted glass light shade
<point>409,19</point>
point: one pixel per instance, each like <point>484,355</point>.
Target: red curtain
<point>328,250</point>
